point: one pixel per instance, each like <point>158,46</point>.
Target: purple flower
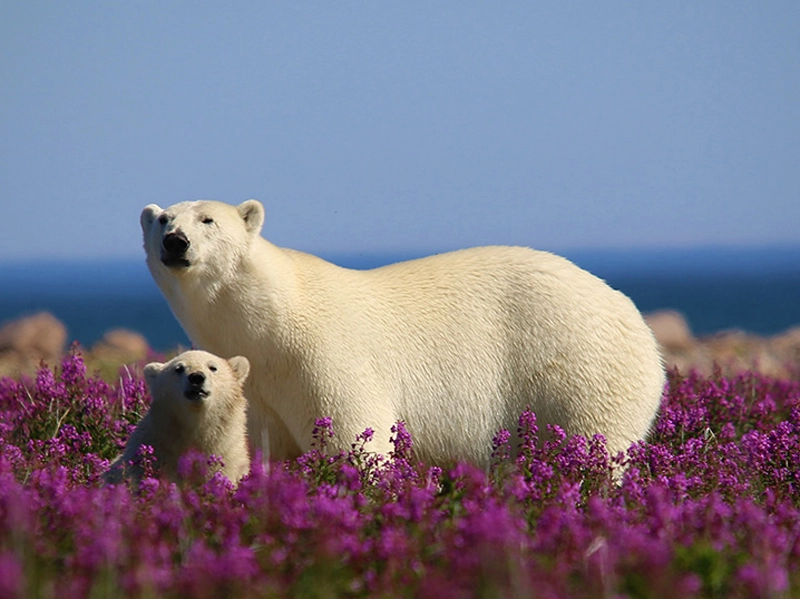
<point>707,506</point>
<point>401,441</point>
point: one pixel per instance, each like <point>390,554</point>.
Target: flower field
<point>707,507</point>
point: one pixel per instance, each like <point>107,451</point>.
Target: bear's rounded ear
<point>151,372</point>
<point>240,367</point>
<point>149,215</point>
<point>252,213</point>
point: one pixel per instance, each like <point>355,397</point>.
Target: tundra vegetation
<point>707,506</point>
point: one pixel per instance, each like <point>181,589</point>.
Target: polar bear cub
<point>198,404</point>
<point>457,345</point>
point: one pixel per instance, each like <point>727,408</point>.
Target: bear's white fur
<point>198,403</point>
<point>456,345</point>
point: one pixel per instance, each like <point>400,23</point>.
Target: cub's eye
<point>163,219</point>
<point>207,220</point>
<point>179,369</point>
<point>212,368</point>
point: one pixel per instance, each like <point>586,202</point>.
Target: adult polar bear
<point>456,345</point>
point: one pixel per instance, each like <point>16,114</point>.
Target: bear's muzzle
<point>195,390</point>
<point>173,250</point>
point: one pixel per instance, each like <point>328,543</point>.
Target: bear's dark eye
<point>179,369</point>
<point>163,219</point>
<point>207,220</point>
<point>212,368</point>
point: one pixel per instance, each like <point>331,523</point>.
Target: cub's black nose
<point>197,378</point>
<point>175,243</point>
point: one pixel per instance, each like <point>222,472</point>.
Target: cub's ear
<point>151,372</point>
<point>240,367</point>
<point>149,215</point>
<point>252,213</point>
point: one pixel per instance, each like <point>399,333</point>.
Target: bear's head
<point>195,386</point>
<point>202,237</point>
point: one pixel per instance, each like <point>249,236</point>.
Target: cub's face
<point>197,236</point>
<point>196,384</point>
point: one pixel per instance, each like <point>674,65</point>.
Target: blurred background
<point>655,144</point>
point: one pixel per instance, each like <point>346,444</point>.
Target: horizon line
<point>410,252</point>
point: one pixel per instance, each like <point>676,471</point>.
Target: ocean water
<point>756,290</point>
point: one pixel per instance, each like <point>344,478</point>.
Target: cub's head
<point>196,385</point>
<point>199,236</point>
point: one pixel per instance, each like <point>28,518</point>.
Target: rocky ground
<point>26,342</point>
<point>730,351</point>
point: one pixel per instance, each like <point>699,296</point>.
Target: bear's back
<point>477,335</point>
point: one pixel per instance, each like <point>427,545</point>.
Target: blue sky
<point>404,126</point>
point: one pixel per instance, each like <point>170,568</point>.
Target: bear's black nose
<point>175,243</point>
<point>197,378</point>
